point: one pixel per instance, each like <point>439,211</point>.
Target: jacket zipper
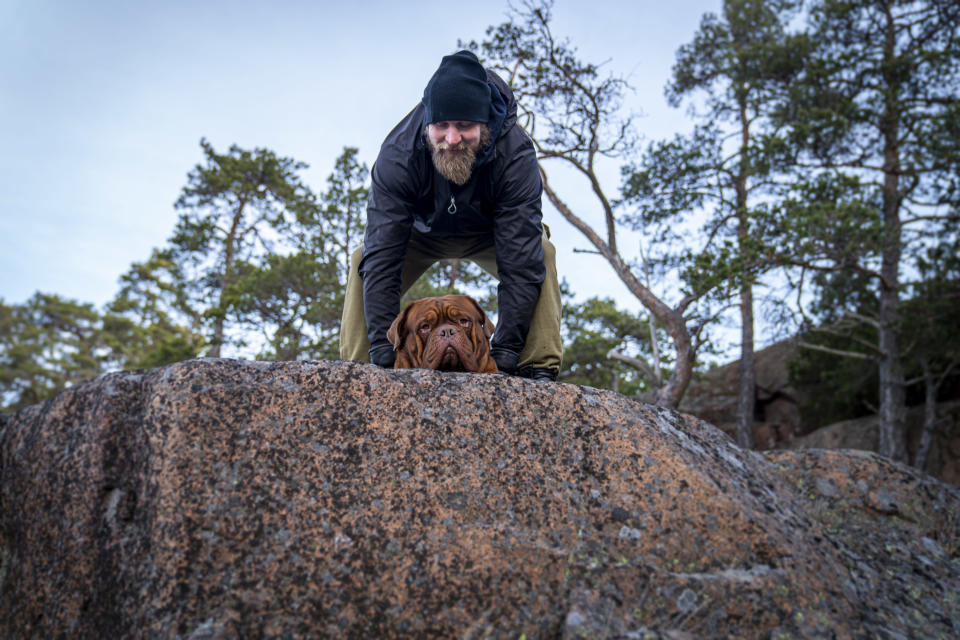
<point>452,209</point>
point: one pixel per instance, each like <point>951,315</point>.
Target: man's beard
<point>457,167</point>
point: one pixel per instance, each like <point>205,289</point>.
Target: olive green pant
<point>544,346</point>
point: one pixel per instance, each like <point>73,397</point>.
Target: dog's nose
<point>446,331</point>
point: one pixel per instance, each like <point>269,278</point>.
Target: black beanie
<point>458,90</point>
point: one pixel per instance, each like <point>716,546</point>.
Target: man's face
<point>453,132</point>
<point>454,146</point>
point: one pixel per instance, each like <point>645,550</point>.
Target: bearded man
<point>458,178</point>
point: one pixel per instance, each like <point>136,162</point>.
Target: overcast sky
<point>103,105</point>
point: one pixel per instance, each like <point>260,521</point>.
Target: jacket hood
<point>503,115</point>
<point>498,85</point>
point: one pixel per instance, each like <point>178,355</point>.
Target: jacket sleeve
<point>389,220</point>
<point>518,237</point>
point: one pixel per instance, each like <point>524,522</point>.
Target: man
<point>458,178</point>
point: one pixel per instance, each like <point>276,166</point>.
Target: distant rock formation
<point>780,423</point>
<point>713,398</point>
<point>224,499</point>
<point>864,433</point>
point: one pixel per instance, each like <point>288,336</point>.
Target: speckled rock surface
<point>223,499</point>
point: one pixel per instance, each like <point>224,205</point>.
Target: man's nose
<point>453,136</point>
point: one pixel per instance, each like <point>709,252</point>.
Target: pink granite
<point>225,499</point>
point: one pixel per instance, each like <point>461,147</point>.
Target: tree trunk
<point>929,417</point>
<point>747,383</point>
<point>225,280</point>
<point>746,380</point>
<point>453,273</point>
<point>891,392</point>
<point>892,400</point>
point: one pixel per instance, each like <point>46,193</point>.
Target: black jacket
<point>500,201</point>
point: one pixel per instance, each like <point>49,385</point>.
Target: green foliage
<point>932,345</point>
<point>155,304</point>
<point>744,55</point>
<point>50,343</point>
<point>255,262</point>
<point>594,328</point>
<point>343,209</point>
<point>842,383</point>
<point>742,62</point>
<point>455,277</point>
<point>835,385</point>
<point>876,110</point>
<point>878,69</point>
<point>294,299</point>
<point>727,168</point>
<point>46,345</point>
<point>869,119</point>
<point>829,221</point>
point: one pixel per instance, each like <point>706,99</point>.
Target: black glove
<point>506,359</point>
<point>383,355</point>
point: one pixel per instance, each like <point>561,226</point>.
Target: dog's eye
<point>424,327</point>
<point>464,322</point>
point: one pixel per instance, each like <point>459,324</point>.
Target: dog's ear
<point>398,330</point>
<point>485,322</point>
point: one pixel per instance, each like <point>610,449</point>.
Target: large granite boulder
<point>223,499</point>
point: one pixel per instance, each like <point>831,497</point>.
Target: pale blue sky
<point>103,105</point>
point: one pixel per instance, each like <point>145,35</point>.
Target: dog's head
<point>449,333</point>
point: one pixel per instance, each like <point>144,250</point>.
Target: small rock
<point>628,533</point>
<point>620,514</point>
<point>932,546</point>
<point>826,488</point>
<point>687,601</point>
<point>575,619</point>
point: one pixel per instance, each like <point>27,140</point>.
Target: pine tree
<point>742,61</point>
<point>46,345</point>
<point>50,343</point>
<point>234,209</point>
<point>875,119</point>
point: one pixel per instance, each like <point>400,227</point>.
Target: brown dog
<point>450,333</point>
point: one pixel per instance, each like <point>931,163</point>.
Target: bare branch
<point>671,319</point>
<point>836,352</point>
<point>636,363</point>
<point>833,268</point>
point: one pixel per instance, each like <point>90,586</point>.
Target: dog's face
<point>450,333</point>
